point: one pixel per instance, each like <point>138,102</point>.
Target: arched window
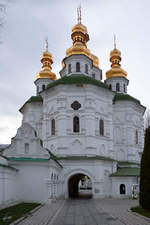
<point>86,68</point>
<point>124,86</point>
<point>101,75</point>
<point>122,189</point>
<point>76,124</point>
<point>110,87</point>
<point>52,127</point>
<point>77,67</point>
<point>101,127</point>
<point>136,137</point>
<point>37,89</point>
<point>69,68</point>
<point>93,75</point>
<point>117,87</point>
<point>26,148</point>
<point>43,87</point>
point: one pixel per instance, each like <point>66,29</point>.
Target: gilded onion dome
<point>47,61</point>
<point>80,38</point>
<point>115,59</point>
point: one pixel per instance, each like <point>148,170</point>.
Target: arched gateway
<point>79,186</point>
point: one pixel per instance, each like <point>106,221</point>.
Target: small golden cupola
<point>116,77</point>
<point>80,38</point>
<point>115,59</point>
<point>47,61</point>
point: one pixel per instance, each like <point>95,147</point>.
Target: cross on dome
<point>46,40</point>
<point>79,14</point>
<point>114,41</point>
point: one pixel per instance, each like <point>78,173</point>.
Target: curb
<point>139,215</point>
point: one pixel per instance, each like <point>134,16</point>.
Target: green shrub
<point>145,173</point>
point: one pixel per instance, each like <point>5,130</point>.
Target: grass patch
<point>141,211</point>
<point>12,213</point>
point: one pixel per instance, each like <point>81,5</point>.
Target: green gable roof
<point>32,99</point>
<point>126,171</point>
<point>35,99</point>
<point>77,79</point>
<point>125,97</point>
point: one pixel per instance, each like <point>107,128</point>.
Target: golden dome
<point>80,38</point>
<point>115,59</point>
<point>115,52</point>
<point>78,49</point>
<point>47,61</point>
<point>79,27</point>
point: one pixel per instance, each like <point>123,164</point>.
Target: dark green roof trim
<point>77,79</point>
<point>54,157</point>
<point>27,159</point>
<point>124,97</point>
<point>9,167</point>
<point>35,99</point>
<point>126,171</point>
<point>31,100</point>
<point>127,163</point>
<point>84,158</point>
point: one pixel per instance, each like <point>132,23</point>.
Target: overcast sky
<point>28,22</point>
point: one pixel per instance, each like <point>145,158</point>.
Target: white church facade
<point>75,127</point>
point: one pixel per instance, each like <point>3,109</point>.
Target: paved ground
<point>86,212</point>
<point>118,208</point>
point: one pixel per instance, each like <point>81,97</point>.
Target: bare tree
<point>147,119</point>
<point>3,7</point>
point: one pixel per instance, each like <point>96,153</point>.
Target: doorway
<point>80,186</point>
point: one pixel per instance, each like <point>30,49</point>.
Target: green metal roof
<point>27,159</point>
<point>124,97</point>
<point>35,99</point>
<point>126,171</point>
<point>54,157</point>
<point>31,100</point>
<point>127,163</point>
<point>70,157</point>
<point>77,79</point>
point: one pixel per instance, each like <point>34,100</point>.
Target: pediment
<point>26,144</point>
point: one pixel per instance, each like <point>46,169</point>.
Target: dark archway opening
<point>80,186</point>
<point>122,189</point>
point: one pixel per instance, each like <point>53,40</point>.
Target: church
<point>76,129</point>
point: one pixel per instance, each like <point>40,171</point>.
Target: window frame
<point>76,124</point>
<point>118,87</point>
<point>101,127</point>
<point>136,137</point>
<point>69,68</point>
<point>78,67</point>
<point>53,125</point>
<point>86,68</point>
<point>43,87</point>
